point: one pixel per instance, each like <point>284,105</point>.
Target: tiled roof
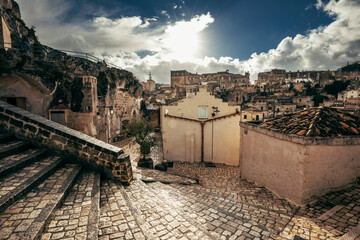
<point>316,122</point>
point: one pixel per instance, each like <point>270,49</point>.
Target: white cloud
<point>121,40</point>
<point>165,13</point>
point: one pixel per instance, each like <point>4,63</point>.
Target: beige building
<point>252,115</point>
<point>303,155</point>
<point>348,94</point>
<point>201,128</point>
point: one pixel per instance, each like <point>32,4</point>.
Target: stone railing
<point>61,140</point>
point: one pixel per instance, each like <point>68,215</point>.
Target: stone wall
<point>75,146</point>
<point>297,168</point>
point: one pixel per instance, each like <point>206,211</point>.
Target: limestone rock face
<point>28,56</point>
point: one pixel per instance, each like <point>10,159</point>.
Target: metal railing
<point>37,49</point>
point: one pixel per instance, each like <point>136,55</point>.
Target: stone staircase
<point>43,196</point>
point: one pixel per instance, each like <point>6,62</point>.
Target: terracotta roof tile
<point>316,122</point>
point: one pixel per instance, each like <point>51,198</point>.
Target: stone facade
<point>223,79</point>
<point>76,146</point>
<point>105,120</point>
<point>281,76</point>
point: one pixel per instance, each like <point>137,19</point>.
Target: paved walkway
<point>223,206</point>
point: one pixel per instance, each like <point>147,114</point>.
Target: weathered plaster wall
<point>330,167</point>
<point>181,139</point>
<point>295,167</point>
<point>225,139</point>
<point>271,162</point>
<point>20,85</point>
<point>188,108</point>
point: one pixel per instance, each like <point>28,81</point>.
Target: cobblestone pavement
<point>189,201</point>
<point>73,220</point>
<point>116,218</point>
<point>166,222</point>
<point>223,206</point>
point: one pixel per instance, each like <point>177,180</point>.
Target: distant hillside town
<point>275,93</point>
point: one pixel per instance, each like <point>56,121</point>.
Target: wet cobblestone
<point>166,222</point>
<point>11,182</point>
<point>25,219</point>
<point>116,219</point>
<point>71,220</point>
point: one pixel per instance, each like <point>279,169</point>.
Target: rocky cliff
<point>55,69</point>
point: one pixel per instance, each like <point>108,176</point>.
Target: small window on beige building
<point>202,112</point>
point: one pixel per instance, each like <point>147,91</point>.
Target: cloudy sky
<point>202,35</point>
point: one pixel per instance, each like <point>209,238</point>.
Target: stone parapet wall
<point>296,167</point>
<point>77,147</point>
<point>332,141</point>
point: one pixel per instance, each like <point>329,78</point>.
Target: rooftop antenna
<point>149,75</point>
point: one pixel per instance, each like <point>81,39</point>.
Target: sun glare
<point>182,41</point>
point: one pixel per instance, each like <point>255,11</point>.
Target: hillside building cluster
<point>273,94</point>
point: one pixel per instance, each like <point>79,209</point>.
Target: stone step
<point>229,224</point>
<point>354,233</point>
<point>15,185</point>
<point>13,147</point>
<point>17,161</point>
<point>4,137</point>
<point>118,218</point>
<point>330,213</point>
<point>302,227</point>
<point>270,203</point>
<point>78,216</point>
<point>165,220</point>
<point>260,211</point>
<point>26,218</point>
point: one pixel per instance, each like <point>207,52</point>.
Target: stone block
<point>30,128</point>
<point>16,123</point>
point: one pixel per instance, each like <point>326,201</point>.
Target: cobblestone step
<point>219,195</point>
<point>353,234</point>
<point>78,216</point>
<point>118,219</point>
<point>17,161</point>
<point>27,217</point>
<point>337,212</point>
<point>4,137</point>
<point>9,148</point>
<point>307,228</point>
<point>259,213</point>
<point>15,185</point>
<point>229,225</point>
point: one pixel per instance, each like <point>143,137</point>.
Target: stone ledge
<point>333,141</point>
<point>61,140</point>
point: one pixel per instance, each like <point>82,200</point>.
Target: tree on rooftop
<point>336,87</point>
<point>143,132</point>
